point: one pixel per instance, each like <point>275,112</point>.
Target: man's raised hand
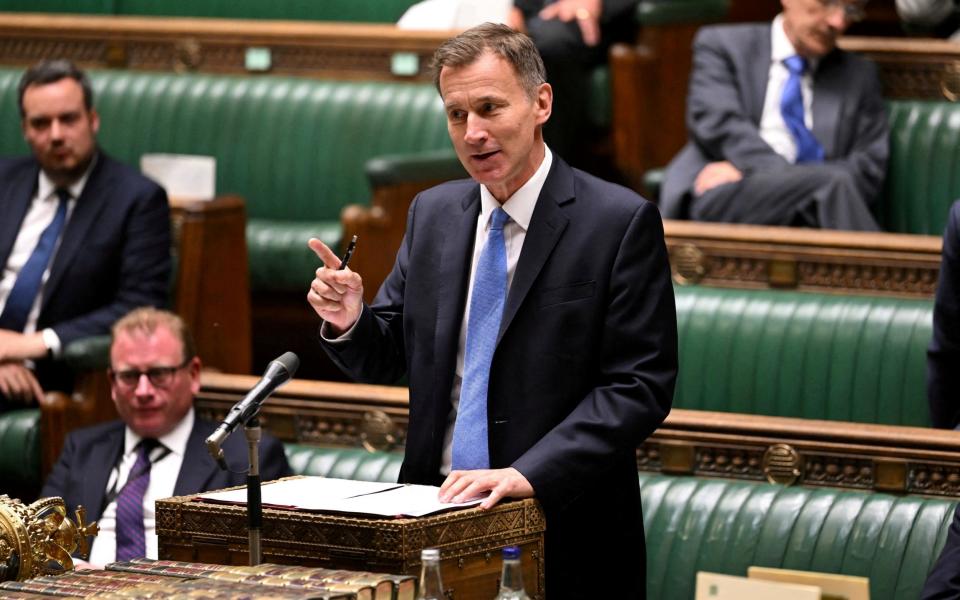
<point>337,296</point>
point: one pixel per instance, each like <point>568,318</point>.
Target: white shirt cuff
<point>52,342</point>
<point>327,335</point>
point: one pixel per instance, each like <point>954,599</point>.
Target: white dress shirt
<point>164,471</point>
<point>43,207</point>
<point>519,207</point>
<point>773,129</point>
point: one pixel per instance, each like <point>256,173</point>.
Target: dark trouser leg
<point>810,195</point>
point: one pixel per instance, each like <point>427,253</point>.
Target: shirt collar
<point>520,205</point>
<point>46,188</point>
<point>175,440</point>
<point>781,48</point>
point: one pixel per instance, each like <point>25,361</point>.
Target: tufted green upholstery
<point>385,11</point>
<point>924,173</point>
<point>293,148</point>
<point>725,526</point>
<point>794,354</point>
<point>344,463</point>
<point>19,450</point>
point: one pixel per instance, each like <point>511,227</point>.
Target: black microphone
<point>278,372</point>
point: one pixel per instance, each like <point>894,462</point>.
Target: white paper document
<point>346,496</point>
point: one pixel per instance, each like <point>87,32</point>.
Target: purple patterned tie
<point>131,540</point>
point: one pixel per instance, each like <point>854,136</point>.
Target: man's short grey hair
<point>514,47</point>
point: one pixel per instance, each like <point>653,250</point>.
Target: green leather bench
<point>20,452</point>
<point>924,158</point>
<point>724,526</point>
<point>795,354</point>
<point>294,149</point>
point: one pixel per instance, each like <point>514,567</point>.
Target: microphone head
<point>289,362</point>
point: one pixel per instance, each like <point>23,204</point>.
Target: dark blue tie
<point>791,107</point>
<point>470,449</point>
<point>27,286</point>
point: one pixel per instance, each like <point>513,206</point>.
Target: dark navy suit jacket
<point>943,354</point>
<point>82,472</point>
<point>114,253</point>
<point>583,371</point>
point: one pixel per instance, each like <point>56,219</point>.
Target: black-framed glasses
<point>852,10</point>
<point>160,377</point>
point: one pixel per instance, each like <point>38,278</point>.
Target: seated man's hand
<point>586,12</point>
<point>18,384</point>
<point>461,486</point>
<point>337,296</point>
<point>715,174</point>
<point>21,346</point>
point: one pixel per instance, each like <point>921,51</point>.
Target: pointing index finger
<point>324,253</point>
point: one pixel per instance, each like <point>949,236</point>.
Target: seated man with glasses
<point>783,127</point>
<point>117,470</point>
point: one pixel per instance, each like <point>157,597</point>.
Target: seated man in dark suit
<point>117,470</point>
<point>784,128</point>
<point>943,354</point>
<point>83,238</point>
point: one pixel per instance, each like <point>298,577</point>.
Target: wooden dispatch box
<point>470,541</point>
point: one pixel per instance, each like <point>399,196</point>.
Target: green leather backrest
<point>293,148</point>
<point>344,463</point>
<point>794,354</point>
<point>923,176</point>
<point>19,449</point>
<point>698,524</point>
<point>385,11</point>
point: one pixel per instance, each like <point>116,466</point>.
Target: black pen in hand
<point>346,255</point>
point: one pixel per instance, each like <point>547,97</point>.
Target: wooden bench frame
<point>713,444</point>
<point>302,48</point>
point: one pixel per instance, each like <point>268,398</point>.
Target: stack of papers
<point>345,496</point>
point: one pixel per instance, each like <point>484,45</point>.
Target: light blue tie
<point>27,285</point>
<point>470,448</point>
<point>791,107</point>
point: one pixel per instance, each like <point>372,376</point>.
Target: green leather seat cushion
<point>19,449</point>
<point>795,354</point>
<point>344,463</point>
<point>723,526</point>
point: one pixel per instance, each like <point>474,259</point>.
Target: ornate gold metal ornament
<point>38,539</point>
<point>782,464</point>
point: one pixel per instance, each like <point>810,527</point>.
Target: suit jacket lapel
<point>759,72</point>
<point>546,226</point>
<point>454,277</point>
<point>90,204</point>
<point>828,95</point>
<point>198,467</point>
<point>105,451</point>
<point>14,205</point>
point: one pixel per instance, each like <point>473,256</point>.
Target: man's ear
<point>94,120</point>
<point>544,103</point>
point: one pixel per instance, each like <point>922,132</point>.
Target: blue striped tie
<point>27,286</point>
<point>131,536</point>
<point>470,445</point>
<point>791,107</point>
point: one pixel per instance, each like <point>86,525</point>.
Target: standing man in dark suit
<point>784,128</point>
<point>83,238</point>
<point>532,310</point>
<point>117,470</point>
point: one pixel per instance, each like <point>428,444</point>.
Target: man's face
<point>813,26</point>
<point>59,128</point>
<point>493,123</point>
<point>148,409</point>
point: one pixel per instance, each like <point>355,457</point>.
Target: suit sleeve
<point>943,582</point>
<point>717,121</point>
<point>144,266</point>
<point>943,353</point>
<point>375,351</point>
<point>866,160</point>
<point>638,367</point>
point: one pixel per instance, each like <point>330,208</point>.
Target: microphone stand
<point>251,430</point>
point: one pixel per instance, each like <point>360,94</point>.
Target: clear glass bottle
<point>431,587</point>
<point>511,577</point>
